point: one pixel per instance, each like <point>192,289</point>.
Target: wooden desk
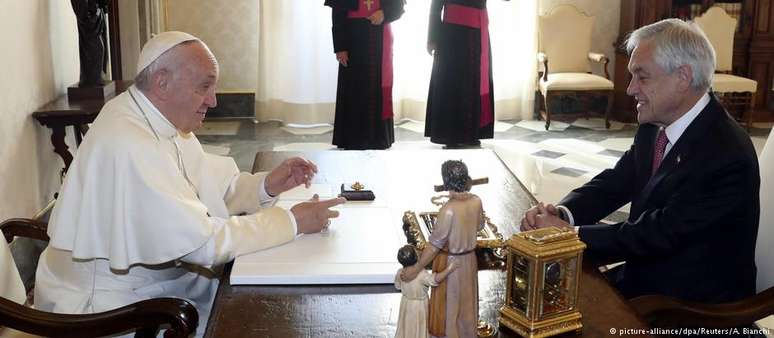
<point>372,310</point>
<point>61,113</point>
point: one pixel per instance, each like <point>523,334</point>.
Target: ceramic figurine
<point>412,317</point>
<point>454,302</point>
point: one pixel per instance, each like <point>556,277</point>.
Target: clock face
<point>558,289</point>
<point>520,284</point>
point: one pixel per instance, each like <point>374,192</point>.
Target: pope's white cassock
<point>144,212</point>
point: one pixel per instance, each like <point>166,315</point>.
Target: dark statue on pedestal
<point>92,39</point>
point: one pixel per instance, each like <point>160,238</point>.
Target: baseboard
<point>234,104</point>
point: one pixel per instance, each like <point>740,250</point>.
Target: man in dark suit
<point>691,176</point>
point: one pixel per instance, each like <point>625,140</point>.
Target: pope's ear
<point>161,81</point>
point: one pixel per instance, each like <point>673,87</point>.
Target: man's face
<point>192,88</point>
<point>657,92</point>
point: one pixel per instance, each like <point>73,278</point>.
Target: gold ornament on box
<point>542,286</point>
<point>357,186</point>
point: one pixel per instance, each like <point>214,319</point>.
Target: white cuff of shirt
<point>566,212</point>
<point>263,195</point>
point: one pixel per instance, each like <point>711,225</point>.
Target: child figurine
<point>454,303</point>
<point>412,317</point>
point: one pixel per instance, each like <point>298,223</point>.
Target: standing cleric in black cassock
<point>460,103</point>
<point>364,94</point>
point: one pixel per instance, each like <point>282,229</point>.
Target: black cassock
<point>363,101</point>
<point>460,109</point>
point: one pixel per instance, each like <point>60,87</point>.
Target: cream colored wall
<point>230,29</point>
<point>607,14</point>
<point>129,20</point>
<point>39,60</point>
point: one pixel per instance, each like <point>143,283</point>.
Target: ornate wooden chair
<point>735,92</point>
<point>564,50</point>
<point>666,312</point>
<point>177,316</point>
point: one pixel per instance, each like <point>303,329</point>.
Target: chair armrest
<point>600,58</point>
<point>597,57</point>
<point>668,312</point>
<point>176,315</point>
<point>24,227</point>
<point>542,58</point>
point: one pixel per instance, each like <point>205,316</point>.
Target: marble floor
<point>549,163</point>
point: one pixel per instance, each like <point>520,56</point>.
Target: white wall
<point>607,14</point>
<point>39,60</point>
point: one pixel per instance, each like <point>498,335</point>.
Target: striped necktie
<point>658,150</point>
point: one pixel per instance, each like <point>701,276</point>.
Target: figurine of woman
<point>454,302</point>
<point>412,317</point>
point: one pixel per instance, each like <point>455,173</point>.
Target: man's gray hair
<point>168,60</point>
<point>678,43</point>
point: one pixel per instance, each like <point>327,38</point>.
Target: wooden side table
<point>61,113</point>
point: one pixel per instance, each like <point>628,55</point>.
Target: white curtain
<point>297,68</point>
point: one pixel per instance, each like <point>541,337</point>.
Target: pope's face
<point>193,88</point>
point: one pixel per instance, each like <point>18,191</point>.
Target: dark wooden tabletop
<point>405,179</point>
<point>64,111</point>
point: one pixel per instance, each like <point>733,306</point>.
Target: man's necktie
<point>658,149</point>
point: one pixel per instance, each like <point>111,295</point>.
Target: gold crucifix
<point>368,3</point>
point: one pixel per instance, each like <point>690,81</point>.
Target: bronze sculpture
<point>91,16</point>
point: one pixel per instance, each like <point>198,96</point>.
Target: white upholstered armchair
<point>733,91</point>
<point>564,51</point>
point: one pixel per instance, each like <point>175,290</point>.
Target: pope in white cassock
<point>144,212</point>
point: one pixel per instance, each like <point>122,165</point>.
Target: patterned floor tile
<point>304,147</point>
<point>591,163</point>
<point>308,129</point>
<point>541,125</point>
<point>216,149</point>
<point>617,217</point>
<point>415,145</point>
<point>548,154</point>
<point>597,123</point>
<point>219,128</point>
<point>522,147</point>
<point>501,127</point>
<point>620,144</point>
<point>571,145</point>
<point>611,152</point>
<point>572,172</point>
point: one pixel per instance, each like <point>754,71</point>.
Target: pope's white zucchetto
<point>159,44</point>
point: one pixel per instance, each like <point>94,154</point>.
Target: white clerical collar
<point>158,122</point>
<point>677,128</point>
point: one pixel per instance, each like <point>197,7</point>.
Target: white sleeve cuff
<point>293,223</point>
<point>263,195</point>
<point>566,212</point>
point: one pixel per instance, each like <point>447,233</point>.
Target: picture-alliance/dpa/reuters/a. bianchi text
<point>691,331</point>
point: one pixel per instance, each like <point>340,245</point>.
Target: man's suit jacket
<point>692,228</point>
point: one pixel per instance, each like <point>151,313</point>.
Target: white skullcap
<point>159,44</point>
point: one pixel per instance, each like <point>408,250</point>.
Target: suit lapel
<point>681,151</point>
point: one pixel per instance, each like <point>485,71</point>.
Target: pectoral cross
<point>368,4</point>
